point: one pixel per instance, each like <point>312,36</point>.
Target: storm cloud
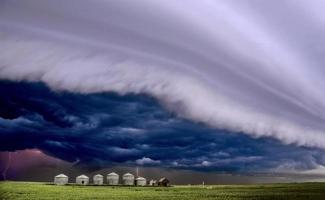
<point>106,129</point>
<point>249,68</point>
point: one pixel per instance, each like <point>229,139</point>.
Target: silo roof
<point>61,176</point>
<point>112,174</point>
<point>128,174</point>
<point>82,176</point>
<point>98,175</point>
<point>163,179</point>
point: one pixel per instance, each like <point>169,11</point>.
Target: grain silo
<point>61,179</point>
<point>112,178</point>
<point>82,180</point>
<point>98,179</point>
<point>140,181</point>
<point>128,179</point>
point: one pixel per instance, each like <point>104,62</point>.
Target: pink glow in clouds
<point>19,162</point>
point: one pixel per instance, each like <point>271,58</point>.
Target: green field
<point>26,190</point>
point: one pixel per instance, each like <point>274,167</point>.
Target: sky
<point>201,87</point>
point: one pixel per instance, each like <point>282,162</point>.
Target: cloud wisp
<point>245,67</point>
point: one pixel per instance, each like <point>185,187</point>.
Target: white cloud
<point>147,161</point>
<point>206,163</point>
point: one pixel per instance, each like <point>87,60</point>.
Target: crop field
<point>28,190</point>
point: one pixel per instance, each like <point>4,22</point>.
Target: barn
<point>164,182</point>
<point>112,178</point>
<point>82,180</point>
<point>98,179</point>
<point>61,179</point>
<point>128,179</point>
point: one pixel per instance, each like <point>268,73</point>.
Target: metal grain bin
<point>61,179</point>
<point>113,178</point>
<point>128,179</point>
<point>140,181</point>
<point>98,179</point>
<point>82,180</point>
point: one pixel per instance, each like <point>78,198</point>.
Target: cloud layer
<point>105,129</point>
<point>251,67</point>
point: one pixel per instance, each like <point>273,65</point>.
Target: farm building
<point>61,179</point>
<point>98,179</point>
<point>152,182</point>
<point>140,181</point>
<point>163,182</point>
<point>128,179</point>
<point>112,178</point>
<point>82,180</point>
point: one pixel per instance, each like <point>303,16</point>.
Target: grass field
<point>26,190</point>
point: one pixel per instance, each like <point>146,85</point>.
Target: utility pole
<point>137,171</point>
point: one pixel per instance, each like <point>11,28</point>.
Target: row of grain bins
<point>112,179</point>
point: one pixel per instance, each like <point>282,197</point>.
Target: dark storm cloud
<point>104,129</point>
<point>251,67</point>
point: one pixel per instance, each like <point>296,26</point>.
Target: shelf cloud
<point>249,67</point>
